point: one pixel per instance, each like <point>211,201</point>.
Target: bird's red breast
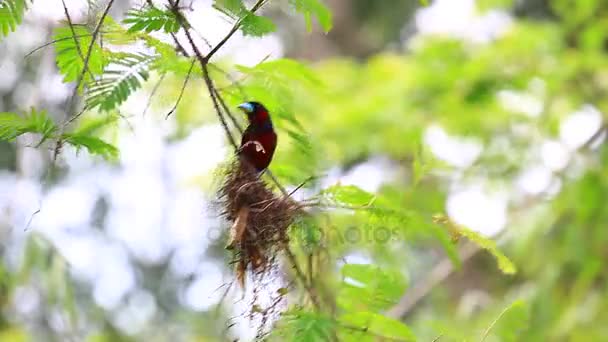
<point>259,140</point>
<point>258,147</point>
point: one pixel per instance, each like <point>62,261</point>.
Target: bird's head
<point>256,112</point>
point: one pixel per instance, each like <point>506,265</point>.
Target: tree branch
<point>233,30</point>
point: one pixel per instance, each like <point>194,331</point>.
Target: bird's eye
<point>247,107</point>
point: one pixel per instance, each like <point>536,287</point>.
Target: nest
<point>260,218</point>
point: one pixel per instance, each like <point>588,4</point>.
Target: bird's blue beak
<point>247,107</point>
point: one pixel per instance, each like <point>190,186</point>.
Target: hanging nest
<point>260,219</point>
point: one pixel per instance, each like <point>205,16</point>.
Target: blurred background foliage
<point>497,123</point>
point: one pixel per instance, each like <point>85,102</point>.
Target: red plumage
<point>259,139</point>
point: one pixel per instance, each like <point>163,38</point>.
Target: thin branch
<point>61,40</point>
<point>181,93</point>
<point>232,31</point>
<point>216,105</point>
<point>302,277</point>
<point>90,48</point>
<point>29,222</point>
<point>215,98</point>
<point>153,93</point>
<point>233,81</point>
<point>228,112</point>
<point>276,182</point>
<point>435,277</point>
<point>489,329</point>
<point>302,184</point>
<point>74,36</point>
<point>179,45</point>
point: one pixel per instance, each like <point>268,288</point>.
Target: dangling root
<point>238,228</point>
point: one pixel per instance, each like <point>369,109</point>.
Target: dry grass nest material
<point>260,218</point>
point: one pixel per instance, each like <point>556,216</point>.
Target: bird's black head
<point>256,112</point>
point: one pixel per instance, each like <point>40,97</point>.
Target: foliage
<point>11,15</point>
<point>250,23</point>
<point>316,8</point>
<point>122,77</point>
<point>151,19</point>
<point>72,47</point>
<point>339,116</point>
<point>13,125</point>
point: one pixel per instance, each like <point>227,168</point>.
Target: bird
<point>259,139</point>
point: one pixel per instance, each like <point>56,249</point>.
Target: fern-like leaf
<point>151,19</point>
<point>251,24</point>
<point>70,57</point>
<point>13,125</point>
<point>124,75</point>
<point>256,25</point>
<point>11,15</point>
<point>93,145</point>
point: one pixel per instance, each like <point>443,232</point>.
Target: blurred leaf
<point>305,326</point>
<point>251,24</point>
<point>115,34</point>
<point>505,265</point>
<point>232,8</point>
<point>71,56</point>
<point>510,324</point>
<point>168,60</point>
<point>316,8</point>
<point>122,77</point>
<point>485,5</point>
<point>257,26</point>
<point>14,334</point>
<point>368,287</point>
<point>13,125</point>
<point>11,15</point>
<point>349,195</point>
<point>151,19</point>
<point>93,145</point>
<point>377,324</point>
<point>92,125</point>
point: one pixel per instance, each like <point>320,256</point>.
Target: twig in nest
<point>238,228</point>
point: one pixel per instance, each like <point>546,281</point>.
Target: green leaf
<point>71,56</point>
<point>379,325</point>
<point>168,60</point>
<point>93,145</point>
<point>316,8</point>
<point>505,265</point>
<point>88,125</point>
<point>256,26</point>
<point>116,34</point>
<point>305,326</point>
<point>368,287</point>
<point>11,15</point>
<point>251,24</point>
<point>124,75</point>
<point>510,323</point>
<point>151,19</point>
<point>348,195</point>
<point>13,125</point>
<point>232,8</point>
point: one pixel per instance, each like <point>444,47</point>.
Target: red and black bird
<point>259,139</point>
